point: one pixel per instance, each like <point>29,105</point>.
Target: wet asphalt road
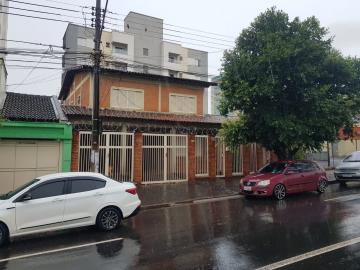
<point>229,234</point>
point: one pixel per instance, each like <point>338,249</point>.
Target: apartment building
<point>3,36</point>
<point>139,47</point>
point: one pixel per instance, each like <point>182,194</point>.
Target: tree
<point>292,89</point>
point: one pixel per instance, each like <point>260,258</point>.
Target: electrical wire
<point>38,5</point>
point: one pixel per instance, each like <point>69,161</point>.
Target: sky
<point>226,18</point>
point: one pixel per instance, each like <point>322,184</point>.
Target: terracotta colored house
<point>154,128</point>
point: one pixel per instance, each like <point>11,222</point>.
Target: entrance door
<point>164,158</point>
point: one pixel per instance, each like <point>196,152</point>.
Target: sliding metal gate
<point>220,157</point>
<point>116,154</point>
<point>164,158</point>
<point>201,155</point>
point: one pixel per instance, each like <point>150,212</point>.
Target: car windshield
<point>275,167</point>
<point>16,191</point>
<point>354,157</point>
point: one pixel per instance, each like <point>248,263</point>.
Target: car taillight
<point>132,191</point>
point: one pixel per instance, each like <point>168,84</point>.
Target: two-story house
<point>153,108</point>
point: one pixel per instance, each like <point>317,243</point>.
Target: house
<point>3,36</point>
<point>153,107</point>
<point>153,128</point>
<point>35,139</point>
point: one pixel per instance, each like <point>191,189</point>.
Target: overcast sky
<point>226,17</point>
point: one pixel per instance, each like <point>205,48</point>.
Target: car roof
<point>71,174</point>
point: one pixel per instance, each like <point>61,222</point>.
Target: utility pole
<point>96,73</point>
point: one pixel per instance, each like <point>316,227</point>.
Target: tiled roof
<point>77,111</point>
<point>24,107</point>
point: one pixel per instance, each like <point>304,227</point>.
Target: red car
<point>285,177</point>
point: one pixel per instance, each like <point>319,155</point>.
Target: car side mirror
<point>26,197</point>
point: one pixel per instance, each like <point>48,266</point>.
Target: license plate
<point>247,188</point>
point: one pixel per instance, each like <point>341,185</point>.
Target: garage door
<point>21,161</point>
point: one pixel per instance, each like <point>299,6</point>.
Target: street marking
<point>344,198</point>
<point>59,250</point>
<point>217,199</point>
<point>310,254</point>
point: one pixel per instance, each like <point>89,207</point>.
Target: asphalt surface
<point>234,233</point>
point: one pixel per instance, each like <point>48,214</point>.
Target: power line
<point>34,17</point>
<point>171,35</point>
<point>42,12</point>
<point>183,27</point>
<point>38,5</point>
<point>31,43</point>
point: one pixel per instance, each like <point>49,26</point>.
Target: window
<point>197,62</point>
<point>107,44</point>
<point>127,99</point>
<point>174,58</point>
<point>48,190</point>
<point>145,51</point>
<point>83,185</point>
<point>120,48</point>
<point>182,104</point>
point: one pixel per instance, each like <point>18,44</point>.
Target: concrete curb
<point>170,204</point>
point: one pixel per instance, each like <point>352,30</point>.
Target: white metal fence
<point>164,158</point>
<point>116,154</point>
<point>220,157</point>
<point>237,162</point>
<point>201,155</point>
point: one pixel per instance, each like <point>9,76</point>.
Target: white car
<point>66,200</point>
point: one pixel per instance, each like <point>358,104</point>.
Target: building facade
<point>35,139</point>
<point>3,36</point>
<point>139,47</point>
<point>153,128</point>
<point>215,92</point>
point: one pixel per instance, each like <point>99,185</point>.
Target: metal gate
<point>238,161</point>
<point>164,158</point>
<point>201,155</point>
<point>116,154</point>
<point>220,157</point>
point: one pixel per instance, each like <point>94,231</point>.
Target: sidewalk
<point>154,195</point>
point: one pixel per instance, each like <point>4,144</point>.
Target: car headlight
<point>264,183</point>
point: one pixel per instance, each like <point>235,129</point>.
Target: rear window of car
<point>84,185</point>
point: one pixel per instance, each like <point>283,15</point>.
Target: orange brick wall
<point>153,92</point>
<point>138,141</point>
<point>75,152</point>
<point>228,163</point>
<point>191,157</point>
<point>212,157</point>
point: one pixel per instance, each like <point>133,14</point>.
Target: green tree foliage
<point>294,91</point>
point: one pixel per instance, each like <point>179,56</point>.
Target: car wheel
<point>4,236</point>
<point>322,186</point>
<point>279,191</point>
<point>109,219</point>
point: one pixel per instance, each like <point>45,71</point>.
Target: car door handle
<point>57,200</point>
